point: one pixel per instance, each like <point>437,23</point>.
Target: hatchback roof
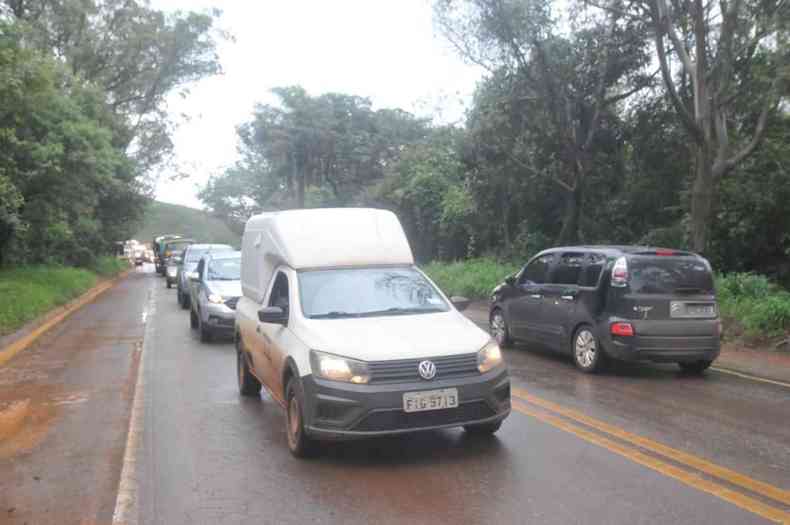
<point>209,246</point>
<point>230,254</point>
<point>619,249</point>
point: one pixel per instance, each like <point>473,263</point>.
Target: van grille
<point>405,370</point>
<point>385,420</point>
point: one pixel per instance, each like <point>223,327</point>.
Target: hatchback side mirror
<point>193,276</point>
<point>273,315</point>
<point>460,303</point>
<point>510,280</point>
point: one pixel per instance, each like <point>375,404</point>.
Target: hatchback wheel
<point>499,329</point>
<point>587,353</point>
<point>695,367</point>
<point>484,429</point>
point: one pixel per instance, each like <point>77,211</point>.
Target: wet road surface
<point>640,444</point>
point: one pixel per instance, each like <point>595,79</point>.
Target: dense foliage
<point>82,120</point>
<point>575,134</point>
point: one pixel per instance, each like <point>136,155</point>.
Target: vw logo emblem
<point>427,370</point>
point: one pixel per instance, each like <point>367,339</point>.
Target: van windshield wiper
<point>401,311</point>
<point>333,315</point>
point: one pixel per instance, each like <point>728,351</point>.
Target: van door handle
<point>567,297</point>
<point>536,296</point>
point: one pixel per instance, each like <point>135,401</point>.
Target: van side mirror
<point>510,280</point>
<point>273,315</point>
<point>460,303</point>
<point>193,276</point>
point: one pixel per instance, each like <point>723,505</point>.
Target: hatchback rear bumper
<point>665,348</point>
<point>340,411</point>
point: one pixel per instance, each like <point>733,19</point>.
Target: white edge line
<point>126,508</point>
<point>749,376</point>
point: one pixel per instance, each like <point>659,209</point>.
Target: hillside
<point>163,218</point>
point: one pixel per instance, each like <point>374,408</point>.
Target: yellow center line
<point>712,469</point>
<point>689,478</point>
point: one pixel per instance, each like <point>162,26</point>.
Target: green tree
<point>733,67</point>
<point>560,89</point>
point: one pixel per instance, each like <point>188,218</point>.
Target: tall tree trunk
<point>571,219</point>
<point>506,219</point>
<point>702,193</point>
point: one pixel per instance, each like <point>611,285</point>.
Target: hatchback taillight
<point>622,329</point>
<point>620,272</point>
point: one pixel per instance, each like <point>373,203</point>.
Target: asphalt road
<point>640,444</point>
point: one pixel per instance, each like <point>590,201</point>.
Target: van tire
<point>193,320</point>
<point>299,443</point>
<point>695,367</point>
<point>499,329</point>
<point>484,429</point>
<point>169,285</point>
<point>586,350</point>
<point>249,385</point>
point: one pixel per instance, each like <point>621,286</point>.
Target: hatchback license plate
<point>430,400</point>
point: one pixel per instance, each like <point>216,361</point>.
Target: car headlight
<point>489,357</point>
<point>336,368</point>
<point>216,299</point>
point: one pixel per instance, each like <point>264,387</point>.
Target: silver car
<point>215,289</point>
<point>191,258</point>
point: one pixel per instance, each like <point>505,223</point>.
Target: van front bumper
<point>340,411</point>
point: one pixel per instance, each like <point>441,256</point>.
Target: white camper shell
<point>319,238</point>
<point>351,338</point>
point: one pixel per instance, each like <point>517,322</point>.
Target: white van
<point>351,338</point>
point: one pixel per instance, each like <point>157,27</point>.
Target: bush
<point>31,291</point>
<point>761,307</point>
<point>769,316</point>
<point>472,278</point>
<point>109,266</point>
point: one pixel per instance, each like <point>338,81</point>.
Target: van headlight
<point>216,299</point>
<point>489,357</point>
<point>336,368</point>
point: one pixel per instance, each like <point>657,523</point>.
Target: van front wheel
<point>299,443</point>
<point>248,383</point>
<point>587,353</point>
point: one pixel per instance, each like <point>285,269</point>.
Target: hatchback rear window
<point>669,275</point>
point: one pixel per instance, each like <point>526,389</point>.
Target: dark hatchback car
<point>624,302</point>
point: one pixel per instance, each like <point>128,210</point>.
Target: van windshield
<point>367,292</point>
<point>669,275</point>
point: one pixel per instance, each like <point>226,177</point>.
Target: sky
<point>386,50</point>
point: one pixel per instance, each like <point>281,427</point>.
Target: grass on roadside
<point>753,304</point>
<point>108,266</point>
<point>472,278</point>
<point>30,291</point>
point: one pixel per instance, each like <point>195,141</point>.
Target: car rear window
<point>669,275</point>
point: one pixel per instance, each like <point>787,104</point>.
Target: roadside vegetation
<point>30,291</point>
<point>752,305</point>
<point>473,278</point>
